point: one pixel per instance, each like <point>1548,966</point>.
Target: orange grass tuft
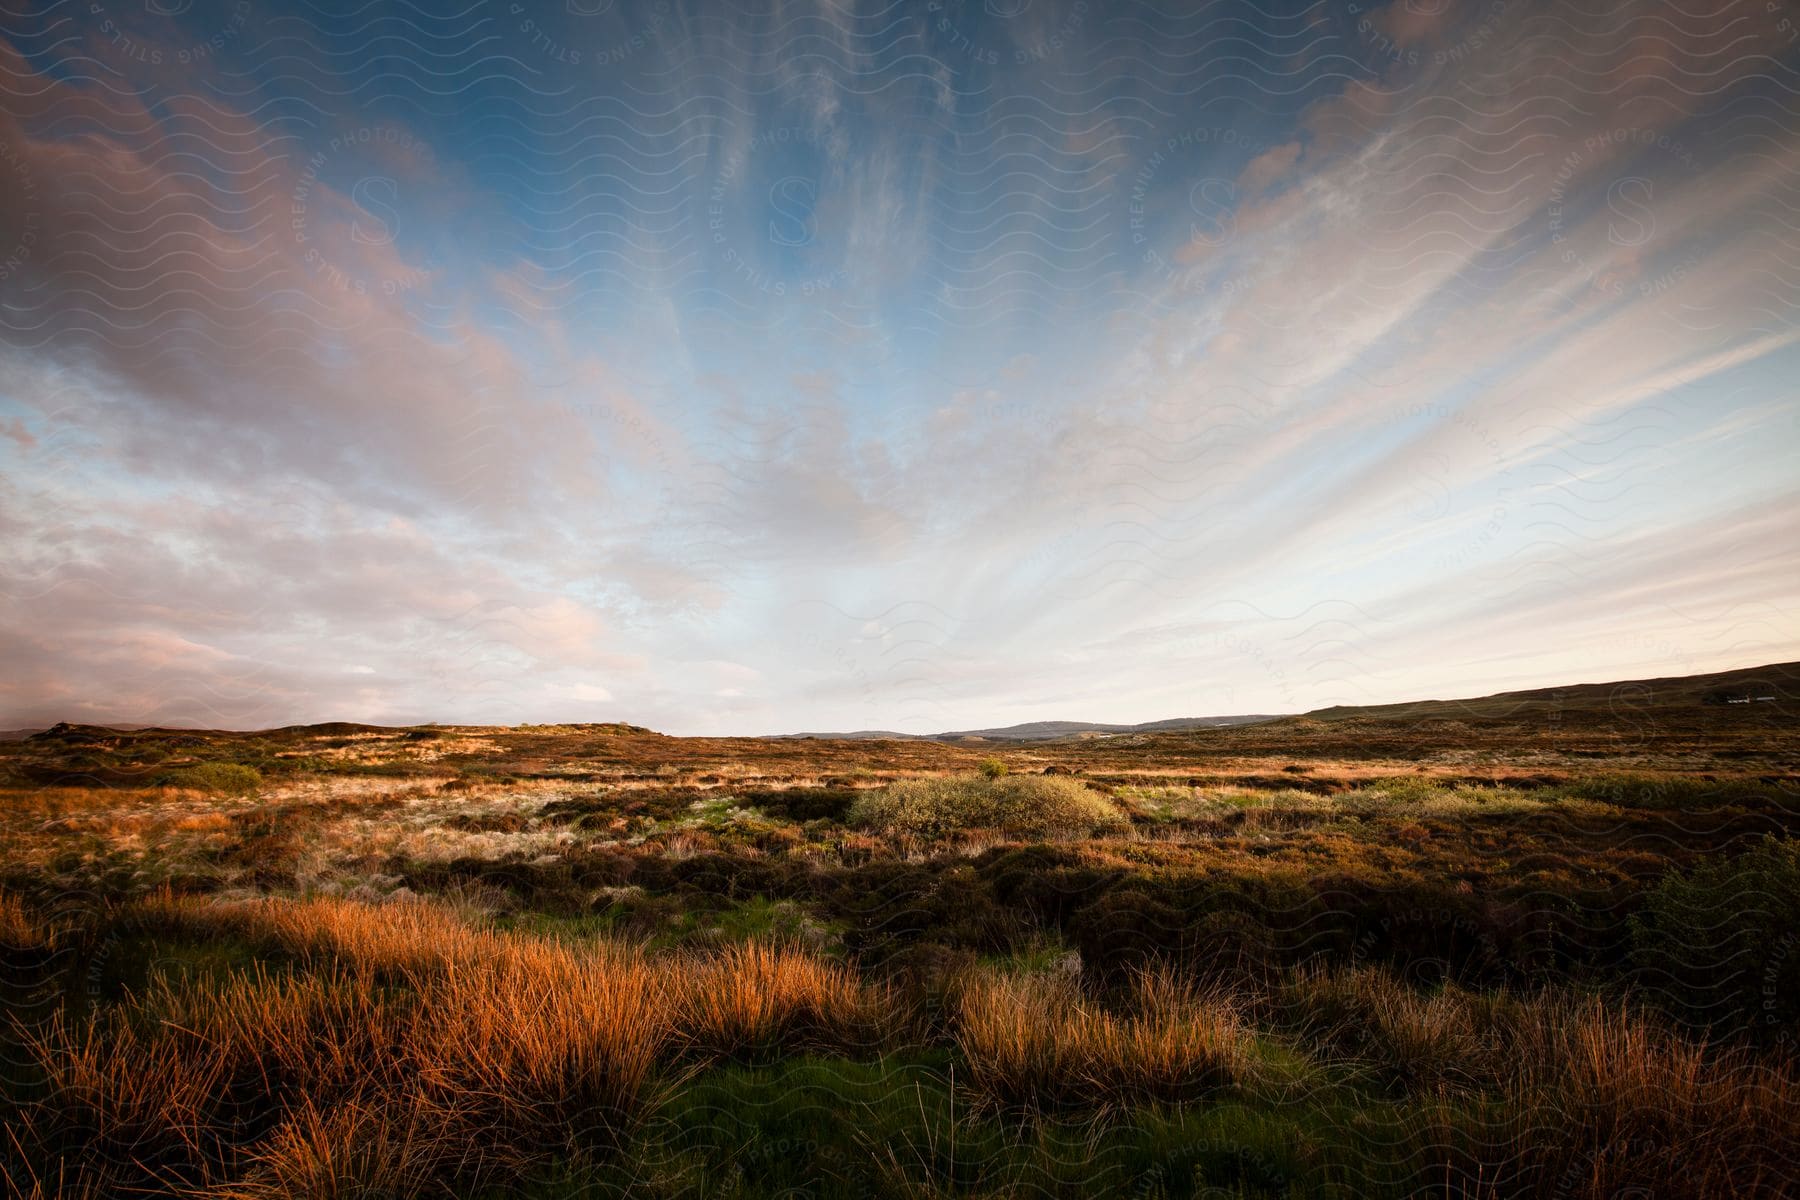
<point>1608,1102</point>
<point>352,1152</point>
<point>416,1045</point>
<point>757,998</point>
<point>544,1044</point>
<point>20,929</point>
<point>1034,1043</point>
<point>518,1047</point>
<point>1412,1040</point>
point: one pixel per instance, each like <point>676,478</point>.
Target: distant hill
<point>1776,685</point>
<point>1748,693</point>
<point>1755,694</point>
<point>1040,731</point>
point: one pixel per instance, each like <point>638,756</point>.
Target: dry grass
<point>354,1151</point>
<point>416,1038</point>
<point>1412,1040</point>
<point>415,1049</point>
<point>1595,1099</point>
<point>402,937</point>
<point>1033,1042</point>
<point>755,999</point>
<point>546,1049</point>
<point>416,1045</point>
<point>20,928</point>
<point>174,1082</point>
<point>108,1121</point>
<point>1592,1080</point>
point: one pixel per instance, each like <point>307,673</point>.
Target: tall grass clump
<point>755,999</point>
<point>398,939</point>
<point>546,1048</point>
<point>381,1065</point>
<point>1026,805</point>
<point>1034,1043</point>
<point>396,1049</point>
<point>1554,1094</point>
<point>169,1088</point>
<point>20,928</point>
<point>365,1148</point>
<point>1409,1040</point>
<point>1612,1102</point>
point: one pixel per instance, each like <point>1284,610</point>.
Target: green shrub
<point>992,768</point>
<point>231,779</point>
<point>1720,944</point>
<point>1031,805</point>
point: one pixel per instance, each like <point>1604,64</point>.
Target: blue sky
<point>737,369</point>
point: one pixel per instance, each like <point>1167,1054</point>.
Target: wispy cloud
<point>855,366</point>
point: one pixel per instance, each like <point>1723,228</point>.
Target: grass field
<point>1545,946</point>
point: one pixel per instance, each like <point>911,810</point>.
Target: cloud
<point>329,393</point>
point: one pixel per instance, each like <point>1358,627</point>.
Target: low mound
<point>1033,805</point>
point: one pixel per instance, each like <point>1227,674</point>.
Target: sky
<point>828,365</point>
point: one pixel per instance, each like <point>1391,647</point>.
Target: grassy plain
<point>1543,945</point>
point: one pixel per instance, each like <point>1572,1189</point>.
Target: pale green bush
<point>1034,805</point>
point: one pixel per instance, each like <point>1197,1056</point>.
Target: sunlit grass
<point>411,1046</point>
<point>1032,1042</point>
<point>625,982</point>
